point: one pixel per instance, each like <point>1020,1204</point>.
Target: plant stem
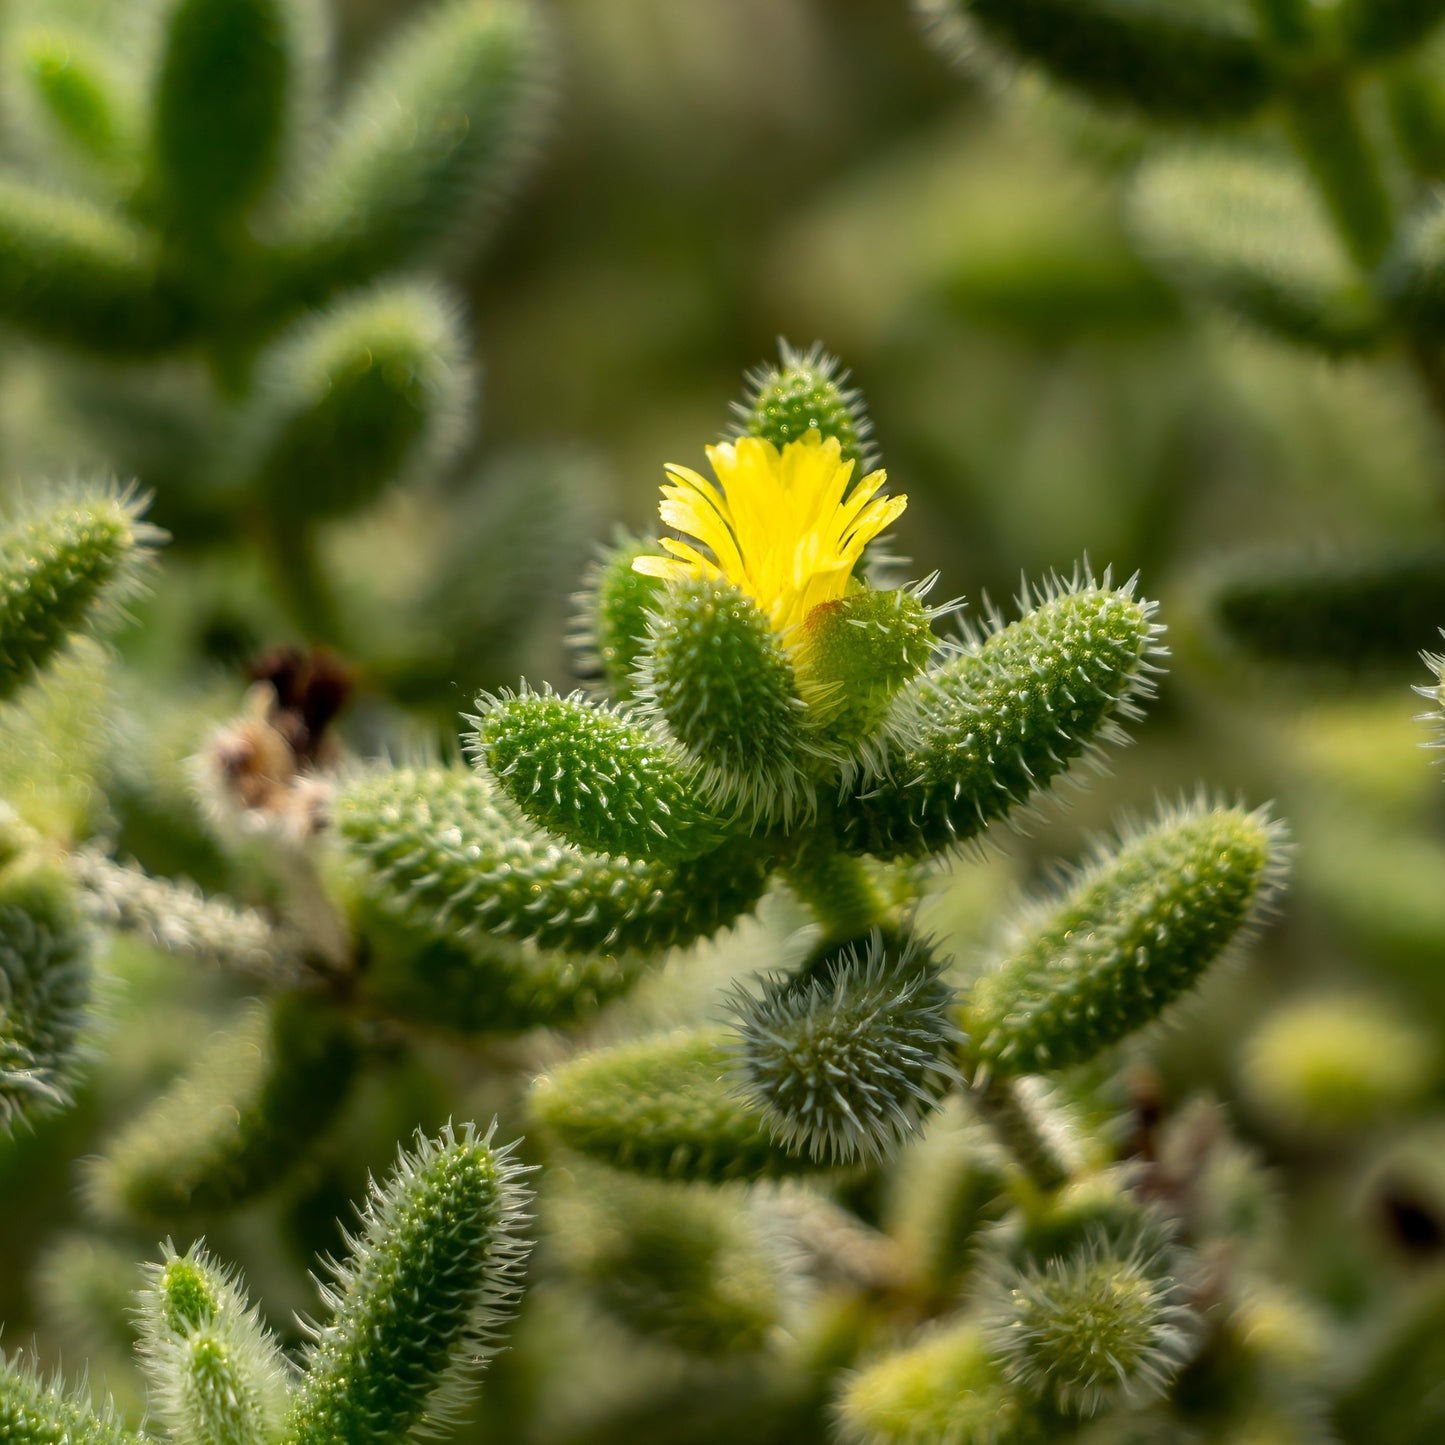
<point>997,1100</point>
<point>836,886</point>
<point>1325,126</point>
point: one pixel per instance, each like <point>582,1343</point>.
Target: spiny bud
<point>36,1412</point>
<point>1134,931</point>
<point>65,565</point>
<point>665,1106</point>
<point>420,1304</point>
<point>854,655</point>
<point>1367,610</point>
<point>1250,234</point>
<point>45,986</point>
<point>74,273</point>
<point>683,1264</point>
<point>429,143</point>
<point>1337,1063</point>
<point>353,399</point>
<point>717,674</point>
<point>219,108</point>
<point>1167,61</point>
<point>849,1055</point>
<point>944,1386</point>
<point>1006,717</point>
<point>441,851</point>
<point>610,633</point>
<point>248,1110</point>
<point>593,777</point>
<point>808,391</point>
<point>1102,1324</point>
<point>217,1374</point>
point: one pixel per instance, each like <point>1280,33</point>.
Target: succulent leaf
<point>592,776</point>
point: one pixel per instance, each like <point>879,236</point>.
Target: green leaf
<point>75,92</point>
<point>1368,610</point>
<point>610,634</point>
<point>66,564</point>
<point>1169,61</point>
<point>718,676</point>
<point>247,1112</point>
<point>667,1106</point>
<point>420,1304</point>
<point>74,273</point>
<point>219,108</point>
<point>45,991</point>
<point>352,400</point>
<point>33,1412</point>
<point>1250,233</point>
<point>217,1374</point>
<point>944,1386</point>
<point>441,850</point>
<point>593,777</point>
<point>1005,717</point>
<point>808,391</point>
<point>1134,931</point>
<point>430,142</point>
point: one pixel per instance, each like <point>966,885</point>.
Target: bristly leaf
<point>66,565</point>
<point>592,776</point>
<point>1364,611</point>
<point>45,991</point>
<point>33,1412</point>
<point>220,105</point>
<point>420,1304</point>
<point>354,399</point>
<point>1249,233</point>
<point>945,1386</point>
<point>807,391</point>
<point>1005,717</point>
<point>71,81</point>
<point>1375,29</point>
<point>217,1374</point>
<point>250,1108</point>
<point>610,629</point>
<point>717,674</point>
<point>1167,61</point>
<point>666,1106</point>
<point>442,851</point>
<point>848,1056</point>
<point>430,142</point>
<point>74,273</point>
<point>1133,932</point>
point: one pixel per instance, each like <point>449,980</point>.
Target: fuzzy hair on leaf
<point>591,775</point>
<point>421,1303</point>
<point>1126,935</point>
<point>1010,712</point>
<point>847,1059</point>
<point>70,558</point>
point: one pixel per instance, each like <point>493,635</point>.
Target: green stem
<point>1015,1127</point>
<point>1325,125</point>
<point>839,890</point>
<point>291,550</point>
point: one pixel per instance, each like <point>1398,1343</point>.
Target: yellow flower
<point>781,526</point>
